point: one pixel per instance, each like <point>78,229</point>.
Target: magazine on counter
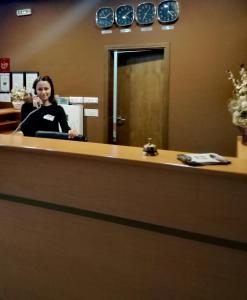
<point>203,159</point>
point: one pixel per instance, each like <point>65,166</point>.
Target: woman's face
<point>43,90</point>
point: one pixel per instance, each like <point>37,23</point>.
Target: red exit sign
<point>4,65</point>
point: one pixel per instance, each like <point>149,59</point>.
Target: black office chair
<point>59,136</point>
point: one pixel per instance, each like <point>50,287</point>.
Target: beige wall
<point>61,39</point>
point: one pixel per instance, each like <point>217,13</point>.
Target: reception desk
<point>94,221</point>
<point>241,148</point>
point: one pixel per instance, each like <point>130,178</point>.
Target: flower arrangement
<point>18,94</point>
<point>238,103</point>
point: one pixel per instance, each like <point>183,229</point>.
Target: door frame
<point>108,89</point>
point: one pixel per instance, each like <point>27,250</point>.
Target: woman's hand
<point>72,133</point>
<point>37,102</point>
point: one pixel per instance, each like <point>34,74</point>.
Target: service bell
<point>150,149</point>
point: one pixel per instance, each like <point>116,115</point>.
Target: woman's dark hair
<point>48,79</point>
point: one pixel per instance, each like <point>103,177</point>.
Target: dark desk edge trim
<point>198,237</point>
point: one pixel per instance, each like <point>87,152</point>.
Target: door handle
<point>120,121</point>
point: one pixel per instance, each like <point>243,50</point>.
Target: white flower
<point>236,114</point>
<point>18,94</point>
<point>238,104</point>
<point>244,104</point>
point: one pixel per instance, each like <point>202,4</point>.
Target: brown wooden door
<point>140,98</point>
<point>141,105</point>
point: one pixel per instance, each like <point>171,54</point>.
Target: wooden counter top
<point>105,151</point>
<point>5,111</point>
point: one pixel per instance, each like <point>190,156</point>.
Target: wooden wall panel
<point>62,40</point>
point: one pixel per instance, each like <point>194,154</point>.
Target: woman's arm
<point>26,109</point>
<point>28,127</point>
<point>62,119</point>
<point>64,124</point>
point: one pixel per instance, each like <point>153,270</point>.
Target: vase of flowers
<point>19,96</point>
<point>238,103</point>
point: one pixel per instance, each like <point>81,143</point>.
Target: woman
<point>43,113</point>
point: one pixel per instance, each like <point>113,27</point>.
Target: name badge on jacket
<point>49,117</point>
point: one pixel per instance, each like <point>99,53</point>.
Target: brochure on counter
<point>203,159</point>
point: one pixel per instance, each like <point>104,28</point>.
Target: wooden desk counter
<point>5,111</point>
<point>241,148</point>
<point>9,119</point>
<point>60,172</point>
<point>108,221</point>
<point>105,151</point>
